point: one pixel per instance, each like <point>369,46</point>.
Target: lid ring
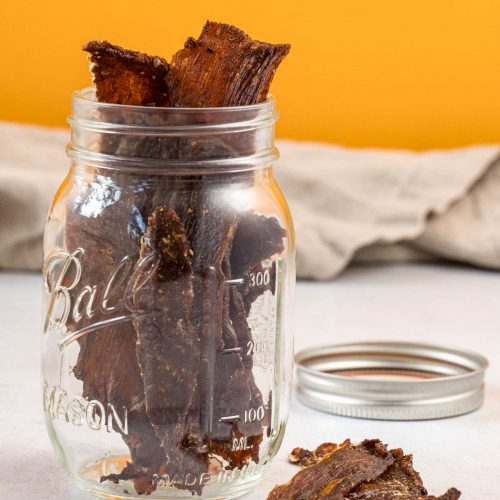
<point>391,380</point>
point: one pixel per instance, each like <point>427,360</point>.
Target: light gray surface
<point>447,305</point>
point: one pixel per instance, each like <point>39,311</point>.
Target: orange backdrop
<point>398,73</point>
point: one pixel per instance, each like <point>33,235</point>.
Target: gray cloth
<point>346,203</point>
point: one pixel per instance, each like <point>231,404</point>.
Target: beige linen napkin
<point>345,203</point>
<point>33,163</point>
<point>446,203</point>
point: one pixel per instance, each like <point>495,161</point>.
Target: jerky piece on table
<point>305,458</point>
<point>451,494</point>
<point>401,479</point>
<point>128,77</point>
<point>223,67</point>
<point>399,482</point>
<point>168,345</point>
<point>337,473</point>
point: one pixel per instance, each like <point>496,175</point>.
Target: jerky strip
<point>337,473</point>
<point>224,67</point>
<point>400,479</point>
<point>258,238</point>
<point>168,345</point>
<point>106,363</point>
<point>189,150</point>
<point>305,458</point>
<point>127,77</point>
<point>234,390</point>
<point>399,482</point>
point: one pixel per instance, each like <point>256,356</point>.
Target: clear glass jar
<point>168,274</point>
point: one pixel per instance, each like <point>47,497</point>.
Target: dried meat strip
<point>168,345</point>
<point>210,229</point>
<point>127,77</point>
<point>399,482</point>
<point>451,494</point>
<point>223,67</point>
<point>106,221</point>
<point>257,239</point>
<point>337,473</point>
<point>234,391</point>
<point>305,458</point>
<point>106,362</point>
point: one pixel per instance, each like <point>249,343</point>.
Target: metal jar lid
<point>391,380</point>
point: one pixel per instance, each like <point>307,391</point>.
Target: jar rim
<point>90,113</point>
<point>87,95</point>
<point>247,130</point>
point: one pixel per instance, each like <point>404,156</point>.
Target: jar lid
<point>390,380</point>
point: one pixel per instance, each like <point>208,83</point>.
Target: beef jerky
<point>210,229</point>
<point>258,238</point>
<point>337,473</point>
<point>106,362</point>
<point>223,67</point>
<point>399,482</point>
<point>168,345</point>
<point>305,458</point>
<point>226,385</point>
<point>450,494</point>
<point>210,315</point>
<point>127,77</point>
<point>106,221</point>
<point>234,390</point>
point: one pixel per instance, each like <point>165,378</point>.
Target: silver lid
<point>391,380</point>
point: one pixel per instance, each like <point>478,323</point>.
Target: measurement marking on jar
<point>236,281</point>
<point>230,418</point>
<point>231,350</point>
<point>258,346</point>
<point>249,416</point>
<point>254,414</point>
<point>260,278</point>
<point>240,444</point>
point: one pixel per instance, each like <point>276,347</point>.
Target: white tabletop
<point>447,305</point>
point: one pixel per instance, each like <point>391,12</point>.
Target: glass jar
<point>168,273</point>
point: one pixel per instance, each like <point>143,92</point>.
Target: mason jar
<point>168,275</point>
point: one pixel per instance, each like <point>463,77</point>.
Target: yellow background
<point>405,73</point>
